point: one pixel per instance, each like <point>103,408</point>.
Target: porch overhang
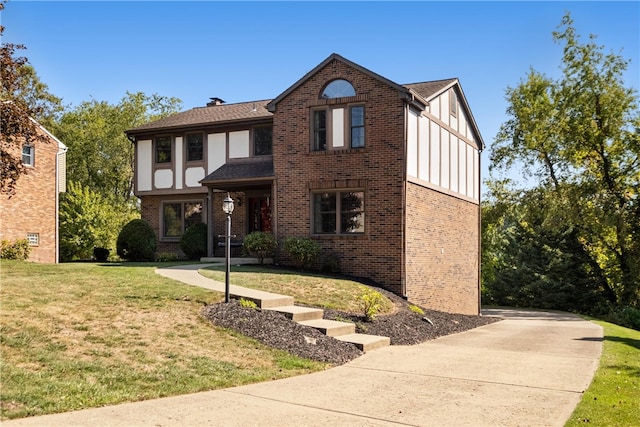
<point>241,175</point>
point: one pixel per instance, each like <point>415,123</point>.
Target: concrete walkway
<point>527,370</point>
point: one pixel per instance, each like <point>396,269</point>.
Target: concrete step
<point>264,300</point>
<point>298,313</point>
<point>331,328</point>
<point>365,342</point>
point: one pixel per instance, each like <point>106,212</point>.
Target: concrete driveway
<point>528,370</point>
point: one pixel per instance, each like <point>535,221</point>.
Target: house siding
<point>377,169</point>
<point>32,209</point>
<point>442,251</point>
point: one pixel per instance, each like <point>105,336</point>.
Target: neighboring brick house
<point>386,177</point>
<point>32,211</point>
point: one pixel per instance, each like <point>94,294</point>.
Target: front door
<point>259,214</point>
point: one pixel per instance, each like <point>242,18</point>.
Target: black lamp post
<point>227,207</point>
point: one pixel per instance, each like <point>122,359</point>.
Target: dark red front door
<point>259,214</point>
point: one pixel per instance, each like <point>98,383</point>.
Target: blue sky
<point>245,51</point>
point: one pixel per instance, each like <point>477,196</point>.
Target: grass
<point>306,288</point>
<point>613,398</point>
<point>84,335</point>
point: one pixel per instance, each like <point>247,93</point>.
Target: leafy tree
<point>87,221</point>
<point>23,99</point>
<point>578,137</point>
<point>100,156</point>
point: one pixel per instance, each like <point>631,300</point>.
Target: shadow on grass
<point>628,341</point>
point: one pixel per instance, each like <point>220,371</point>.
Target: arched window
<point>338,89</point>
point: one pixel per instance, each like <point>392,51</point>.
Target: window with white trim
<point>338,212</point>
<point>195,147</point>
<point>163,149</point>
<point>28,155</point>
<point>177,217</point>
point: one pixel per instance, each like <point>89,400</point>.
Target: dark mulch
<point>403,327</point>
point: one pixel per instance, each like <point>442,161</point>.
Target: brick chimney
<point>214,102</point>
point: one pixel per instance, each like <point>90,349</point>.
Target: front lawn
<point>613,398</point>
<point>84,335</point>
<point>305,287</point>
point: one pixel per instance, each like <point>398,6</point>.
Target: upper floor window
<point>194,147</point>
<point>163,149</point>
<point>28,155</point>
<point>338,127</point>
<point>338,89</point>
<point>262,141</point>
<point>340,212</point>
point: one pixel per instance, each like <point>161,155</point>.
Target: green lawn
<point>306,288</point>
<point>613,398</point>
<point>84,335</point>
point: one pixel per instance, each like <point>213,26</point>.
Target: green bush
<point>137,241</point>
<point>101,254</point>
<point>19,249</point>
<point>331,263</point>
<point>371,304</point>
<point>194,241</point>
<point>303,250</point>
<point>166,257</point>
<point>247,303</point>
<point>260,245</point>
<point>416,309</point>
<point>627,316</point>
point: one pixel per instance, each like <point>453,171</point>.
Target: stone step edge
<point>299,313</point>
<point>331,328</point>
<point>365,342</point>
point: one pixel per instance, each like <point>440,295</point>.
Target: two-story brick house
<point>386,177</point>
<point>31,213</point>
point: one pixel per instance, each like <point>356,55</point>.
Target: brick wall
<point>33,208</point>
<point>442,251</point>
<point>151,212</point>
<point>377,168</point>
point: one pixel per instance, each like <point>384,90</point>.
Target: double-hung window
<point>262,141</point>
<point>177,217</point>
<point>338,212</point>
<point>28,155</point>
<point>195,147</point>
<point>163,149</point>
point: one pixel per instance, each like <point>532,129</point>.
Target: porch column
<point>211,241</point>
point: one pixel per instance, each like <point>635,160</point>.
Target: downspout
<point>480,231</point>
<point>403,271</point>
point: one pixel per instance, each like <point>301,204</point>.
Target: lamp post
<point>227,207</point>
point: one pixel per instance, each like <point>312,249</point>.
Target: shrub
<point>416,309</point>
<point>626,316</point>
<point>19,249</point>
<point>260,245</point>
<point>371,304</point>
<point>101,254</point>
<point>303,250</point>
<point>194,241</point>
<point>137,241</point>
<point>247,303</point>
<point>166,257</point>
<point>331,263</point>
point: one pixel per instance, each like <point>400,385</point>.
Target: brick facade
<point>33,207</point>
<point>377,169</point>
<point>442,251</point>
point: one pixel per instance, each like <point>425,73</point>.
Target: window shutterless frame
<point>162,147</point>
<point>338,212</point>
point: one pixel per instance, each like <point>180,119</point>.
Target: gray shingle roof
<point>225,113</point>
<point>236,172</point>
<point>428,89</point>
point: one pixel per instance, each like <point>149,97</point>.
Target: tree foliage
<point>100,156</point>
<point>88,220</point>
<point>577,137</point>
<point>24,101</point>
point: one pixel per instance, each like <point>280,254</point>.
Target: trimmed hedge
<point>194,241</point>
<point>137,241</point>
